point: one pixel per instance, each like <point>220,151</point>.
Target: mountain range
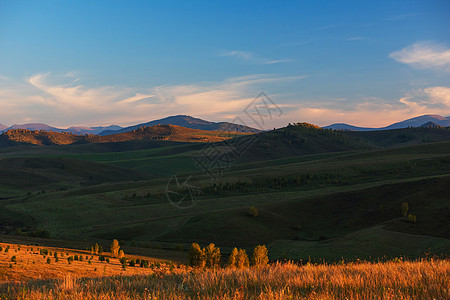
<point>72,129</point>
<point>196,123</point>
<point>425,120</point>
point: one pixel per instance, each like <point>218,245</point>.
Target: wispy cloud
<point>401,17</point>
<point>424,55</point>
<point>366,111</point>
<point>252,58</point>
<point>62,100</point>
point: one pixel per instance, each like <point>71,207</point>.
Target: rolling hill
<point>188,122</point>
<point>153,133</point>
<point>320,193</point>
<point>72,129</point>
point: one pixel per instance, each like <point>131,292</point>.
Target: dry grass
<point>425,279</point>
<point>31,265</point>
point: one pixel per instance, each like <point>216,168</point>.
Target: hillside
<point>154,133</point>
<point>188,122</point>
<point>72,129</point>
<point>318,206</point>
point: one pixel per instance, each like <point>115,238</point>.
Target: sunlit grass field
<point>422,279</point>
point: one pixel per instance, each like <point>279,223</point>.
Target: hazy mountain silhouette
<point>188,122</point>
<point>413,122</point>
<point>72,129</point>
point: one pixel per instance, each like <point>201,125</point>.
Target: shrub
<point>260,256</point>
<point>49,260</point>
<point>107,260</point>
<point>132,263</point>
<point>14,259</point>
<point>115,248</point>
<point>253,211</point>
<point>197,256</point>
<point>212,256</point>
<point>405,209</point>
<point>121,254</point>
<point>101,258</point>
<point>412,218</point>
<point>233,258</point>
<point>242,259</point>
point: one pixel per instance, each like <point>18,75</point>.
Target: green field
<point>320,194</point>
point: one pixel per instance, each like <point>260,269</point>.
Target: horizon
<point>85,64</point>
<point>215,121</point>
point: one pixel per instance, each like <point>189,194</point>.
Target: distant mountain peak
<point>188,122</point>
<point>430,125</point>
<point>413,122</point>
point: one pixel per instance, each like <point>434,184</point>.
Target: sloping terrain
<point>154,133</point>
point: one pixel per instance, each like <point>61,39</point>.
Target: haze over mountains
<point>196,123</point>
<point>425,120</point>
<point>72,129</point>
<point>188,122</point>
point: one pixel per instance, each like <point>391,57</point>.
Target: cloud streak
<point>424,55</point>
<point>61,100</point>
<point>252,58</point>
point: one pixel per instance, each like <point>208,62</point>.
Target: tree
<point>121,254</point>
<point>233,258</point>
<point>96,248</point>
<point>242,259</point>
<point>115,248</point>
<point>405,209</point>
<point>260,256</point>
<point>197,256</point>
<point>253,211</point>
<point>212,256</point>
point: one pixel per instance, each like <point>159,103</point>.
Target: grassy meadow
<point>423,279</point>
<point>320,196</point>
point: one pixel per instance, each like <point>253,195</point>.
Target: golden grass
<point>31,265</point>
<point>424,279</point>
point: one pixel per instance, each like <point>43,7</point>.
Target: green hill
<point>319,193</point>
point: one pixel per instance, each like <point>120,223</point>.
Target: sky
<point>366,63</point>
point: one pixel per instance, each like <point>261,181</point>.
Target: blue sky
<point>124,62</point>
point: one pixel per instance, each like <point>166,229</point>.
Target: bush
<point>121,254</point>
<point>14,259</point>
<point>101,258</point>
<point>260,256</point>
<point>49,260</point>
<point>412,218</point>
<point>144,264</point>
<point>212,256</point>
<point>197,256</point>
<point>132,263</point>
<point>253,211</point>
